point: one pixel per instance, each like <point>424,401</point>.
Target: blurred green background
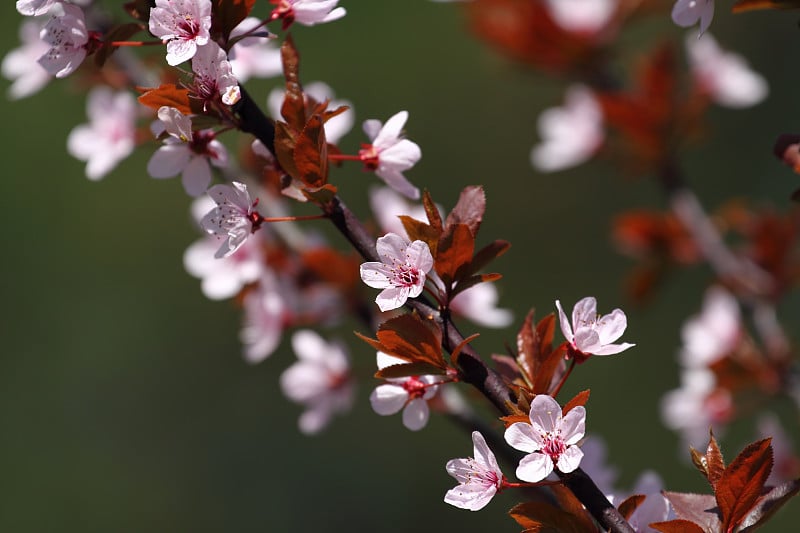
<point>124,402</point>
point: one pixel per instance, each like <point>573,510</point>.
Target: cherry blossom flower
<point>593,334</point>
<point>390,154</point>
<point>320,380</point>
<point>479,304</point>
<point>225,277</point>
<point>68,39</point>
<point>213,75</point>
<point>264,313</point>
<point>654,508</point>
<point>697,405</point>
<point>570,134</point>
<point>723,75</point>
<point>306,12</point>
<point>581,16</point>
<point>253,57</point>
<point>186,152</point>
<point>713,333</point>
<point>387,207</point>
<point>336,127</point>
<point>21,66</point>
<point>409,394</point>
<point>686,13</point>
<point>550,439</point>
<point>109,137</point>
<point>234,218</point>
<point>401,274</point>
<point>183,25</point>
<point>479,477</point>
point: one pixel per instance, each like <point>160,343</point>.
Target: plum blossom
<point>570,134</point>
<point>409,394</point>
<point>724,76</point>
<point>593,334</point>
<point>186,152</point>
<point>21,66</point>
<point>253,57</point>
<point>581,16</point>
<point>306,12</point>
<point>264,312</point>
<point>68,39</point>
<point>320,380</point>
<point>479,477</point>
<point>226,277</point>
<point>336,127</point>
<point>234,218</point>
<point>387,207</point>
<point>479,304</point>
<point>686,13</point>
<point>213,77</point>
<point>35,8</point>
<point>550,439</point>
<point>390,154</point>
<point>109,137</point>
<point>654,508</point>
<point>183,25</point>
<point>401,273</point>
<point>697,405</point>
<point>713,333</point>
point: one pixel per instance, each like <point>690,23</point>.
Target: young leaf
<point>167,95</point>
<point>432,212</point>
<point>751,5</point>
<point>285,142</point>
<point>227,14</point>
<point>580,399</point>
<point>698,508</point>
<point>769,504</point>
<point>420,231</point>
<point>457,350</point>
<point>311,154</point>
<point>741,483</point>
<point>711,465</point>
<point>408,369</point>
<point>627,507</point>
<point>543,517</point>
<point>454,251</point>
<point>486,255</point>
<point>408,337</point>
<point>526,350</point>
<point>469,209</point>
<point>293,109</point>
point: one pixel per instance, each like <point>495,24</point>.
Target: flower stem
<point>564,378</point>
<point>133,43</point>
<point>295,218</point>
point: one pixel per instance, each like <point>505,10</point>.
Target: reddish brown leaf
<point>513,419</point>
<point>293,109</point>
<point>466,283</point>
<point>543,517</point>
<point>376,344</point>
<point>715,464</point>
<point>227,14</point>
<point>322,195</point>
<point>751,5</point>
<point>167,95</point>
<point>457,350</point>
<point>285,142</point>
<point>627,507</point>
<point>408,369</point>
<point>453,252</point>
<point>469,209</point>
<point>311,154</point>
<point>432,212</point>
<point>769,504</point>
<point>486,255</point>
<point>527,350</point>
<point>571,504</point>
<point>698,508</point>
<point>677,526</point>
<point>408,337</point>
<point>580,399</point>
<point>548,366</point>
<point>741,483</point>
<point>420,231</point>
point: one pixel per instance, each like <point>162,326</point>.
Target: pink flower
<point>592,333</point>
<point>409,394</point>
<point>387,207</point>
<point>109,137</point>
<point>725,76</point>
<point>183,25</point>
<point>255,57</point>
<point>581,16</point>
<point>320,379</point>
<point>550,439</point>
<point>213,77</point>
<point>686,13</point>
<point>186,152</point>
<point>697,405</point>
<point>68,39</point>
<point>21,66</point>
<point>654,508</point>
<point>234,218</point>
<point>264,312</point>
<point>401,274</point>
<point>306,12</point>
<point>225,277</point>
<point>479,478</point>
<point>35,8</point>
<point>479,304</point>
<point>390,154</point>
<point>713,333</point>
<point>570,134</point>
